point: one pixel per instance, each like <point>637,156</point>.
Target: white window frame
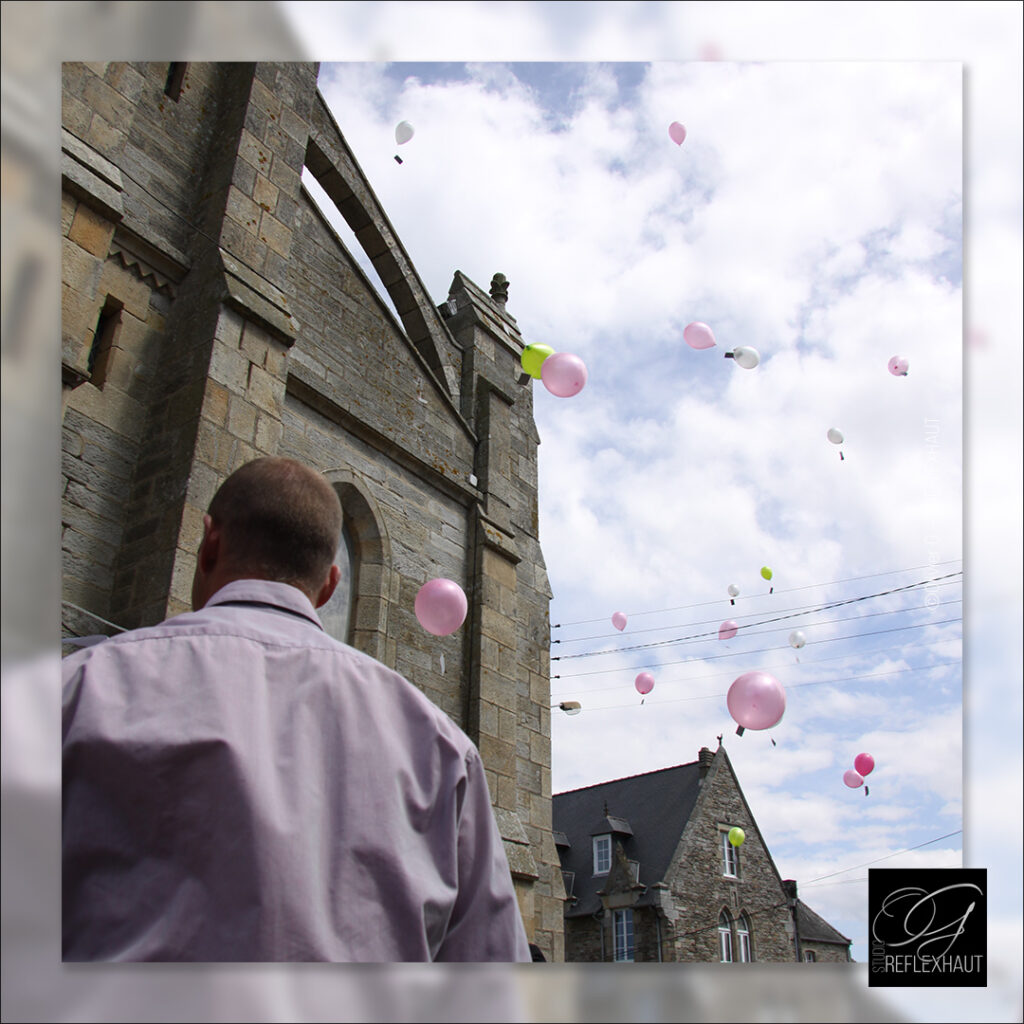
<point>623,936</point>
<point>809,957</point>
<point>602,854</point>
<point>743,937</point>
<point>730,857</point>
<point>725,937</point>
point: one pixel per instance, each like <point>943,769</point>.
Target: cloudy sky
<point>813,212</point>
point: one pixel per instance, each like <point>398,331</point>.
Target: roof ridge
<point>623,778</point>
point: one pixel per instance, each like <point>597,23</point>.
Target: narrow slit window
<point>175,79</point>
<point>103,338</point>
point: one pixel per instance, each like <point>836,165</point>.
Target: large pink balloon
<point>644,682</point>
<point>619,621</point>
<point>441,606</point>
<point>864,763</point>
<point>852,779</point>
<point>898,366</point>
<point>677,133</point>
<point>727,630</point>
<point>563,374</point>
<point>756,700</point>
<point>698,335</point>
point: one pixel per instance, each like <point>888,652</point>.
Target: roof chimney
<point>704,758</point>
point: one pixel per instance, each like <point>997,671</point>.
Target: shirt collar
<point>268,592</point>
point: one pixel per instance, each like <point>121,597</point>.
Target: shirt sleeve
<point>485,925</point>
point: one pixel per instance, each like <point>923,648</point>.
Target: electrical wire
<point>878,860</point>
<point>745,626</point>
<point>791,590</point>
<point>789,686</point>
<point>763,650</point>
<point>761,622</point>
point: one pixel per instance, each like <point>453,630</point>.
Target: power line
<point>888,856</point>
<point>790,686</point>
<point>762,650</point>
<point>745,626</point>
<point>791,590</point>
<point>764,622</point>
<point>715,675</point>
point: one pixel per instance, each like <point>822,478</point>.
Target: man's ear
<point>210,549</point>
<point>328,588</point>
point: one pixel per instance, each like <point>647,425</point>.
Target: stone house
<point>650,874</point>
<point>210,314</point>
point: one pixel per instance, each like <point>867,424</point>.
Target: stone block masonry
<point>211,315</point>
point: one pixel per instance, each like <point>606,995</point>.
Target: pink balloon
<point>441,606</point>
<point>677,133</point>
<point>864,763</point>
<point>756,700</point>
<point>619,621</point>
<point>898,366</point>
<point>698,335</point>
<point>727,630</point>
<point>644,682</point>
<point>563,374</point>
<point>852,779</point>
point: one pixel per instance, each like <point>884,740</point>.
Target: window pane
<point>623,932</point>
<point>743,935</point>
<point>730,857</point>
<point>725,937</point>
<point>337,614</point>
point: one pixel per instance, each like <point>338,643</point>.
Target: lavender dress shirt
<point>238,786</point>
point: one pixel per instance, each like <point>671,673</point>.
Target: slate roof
<point>813,928</point>
<point>656,807</point>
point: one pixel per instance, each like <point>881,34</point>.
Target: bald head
<point>273,519</point>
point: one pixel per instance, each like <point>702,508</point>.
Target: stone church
<point>212,315</point>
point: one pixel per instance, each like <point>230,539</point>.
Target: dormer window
<point>602,854</point>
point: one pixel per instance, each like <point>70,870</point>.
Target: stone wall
<point>825,952</point>
<point>234,324</point>
<point>700,890</point>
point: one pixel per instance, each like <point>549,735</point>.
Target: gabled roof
<point>813,928</point>
<point>655,807</point>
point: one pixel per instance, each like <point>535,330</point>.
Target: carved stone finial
<point>499,289</point>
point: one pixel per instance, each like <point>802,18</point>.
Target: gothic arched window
<point>338,615</point>
<point>725,937</point>
<point>743,938</point>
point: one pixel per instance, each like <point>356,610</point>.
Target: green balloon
<point>766,572</point>
<point>736,836</point>
<point>533,358</point>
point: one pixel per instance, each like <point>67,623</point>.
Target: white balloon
<point>797,639</point>
<point>835,436</point>
<point>403,132</point>
<point>746,357</point>
<point>734,591</point>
